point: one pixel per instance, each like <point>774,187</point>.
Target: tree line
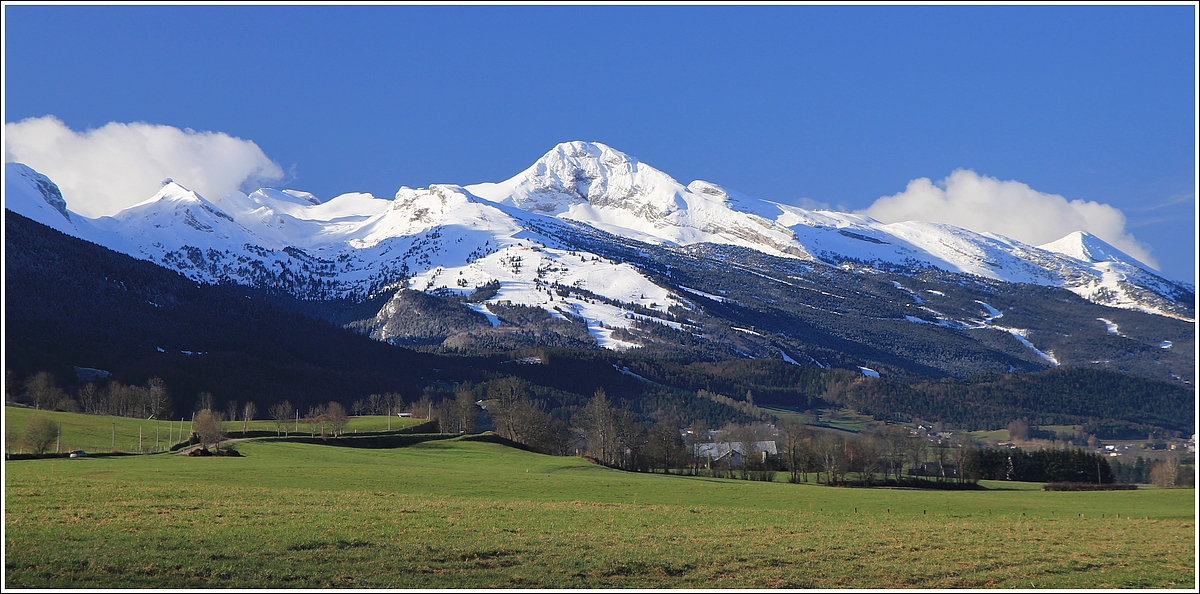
<point>890,454</point>
<point>619,437</point>
<point>152,400</point>
<point>1051,465</point>
<point>1112,405</point>
<point>1169,471</point>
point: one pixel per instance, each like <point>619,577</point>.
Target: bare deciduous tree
<point>521,419</point>
<point>895,439</point>
<point>698,436</point>
<point>962,452</point>
<point>43,390</point>
<point>9,394</point>
<point>664,445</point>
<point>282,414</point>
<point>1018,430</point>
<point>315,420</point>
<point>208,428</point>
<point>248,412</point>
<point>335,415</point>
<point>942,454</point>
<point>159,398</point>
<point>89,398</point>
<point>393,403</point>
<point>831,452</point>
<point>1166,472</point>
<point>422,408</point>
<point>505,397</point>
<point>464,411</point>
<point>794,434</point>
<point>40,433</point>
<point>204,401</point>
<point>631,439</point>
<point>599,428</point>
<point>915,449</point>
<point>870,454</point>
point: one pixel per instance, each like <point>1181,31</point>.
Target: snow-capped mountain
<point>1114,278</point>
<point>33,195</point>
<point>596,185</point>
<point>599,186</point>
<point>357,246</point>
<point>595,238</point>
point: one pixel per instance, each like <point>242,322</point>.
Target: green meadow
<point>98,433</point>
<point>467,513</point>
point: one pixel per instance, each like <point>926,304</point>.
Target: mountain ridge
<point>596,185</point>
<point>590,235</point>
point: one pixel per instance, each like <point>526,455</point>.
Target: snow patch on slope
<point>487,313</point>
<point>717,298</point>
<point>1020,334</point>
<point>993,313</point>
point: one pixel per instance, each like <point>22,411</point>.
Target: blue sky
<point>832,105</point>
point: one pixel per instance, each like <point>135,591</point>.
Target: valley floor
<point>461,514</point>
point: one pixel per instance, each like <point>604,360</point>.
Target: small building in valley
<point>733,454</point>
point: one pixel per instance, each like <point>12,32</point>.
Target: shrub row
<point>1089,487</point>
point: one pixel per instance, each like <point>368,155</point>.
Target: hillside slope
<point>74,304</point>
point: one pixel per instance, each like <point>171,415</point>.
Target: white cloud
<point>104,170</point>
<point>1010,208</point>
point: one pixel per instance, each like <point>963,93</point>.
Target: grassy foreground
<point>473,514</point>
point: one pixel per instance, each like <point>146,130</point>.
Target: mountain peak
<point>1084,246</point>
<point>585,173</point>
<point>592,183</point>
<point>587,156</point>
<point>173,191</point>
<point>176,204</point>
<point>579,149</point>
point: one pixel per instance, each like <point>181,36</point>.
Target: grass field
<point>457,513</point>
<point>844,419</point>
<point>985,436</point>
<point>847,419</point>
<point>96,433</point>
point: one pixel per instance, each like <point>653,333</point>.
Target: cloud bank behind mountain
<point>1010,208</point>
<point>104,170</point>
